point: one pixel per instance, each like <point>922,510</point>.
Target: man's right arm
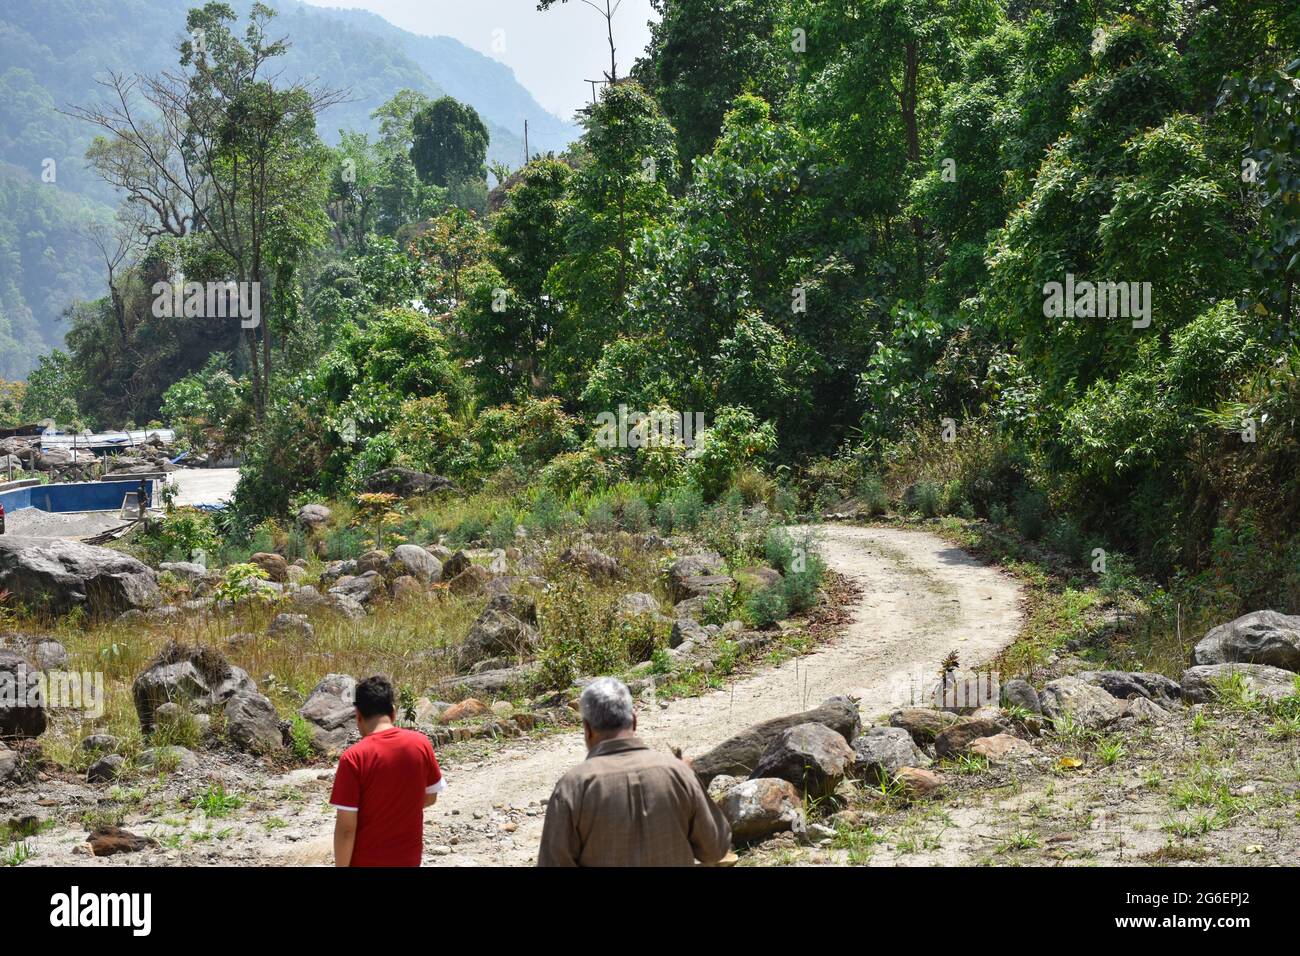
<point>710,832</point>
<point>345,836</point>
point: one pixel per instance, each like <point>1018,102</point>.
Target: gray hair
<point>606,705</point>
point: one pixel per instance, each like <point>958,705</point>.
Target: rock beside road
<point>758,808</point>
<point>1262,637</point>
<point>22,702</point>
<point>739,755</point>
<point>811,756</point>
<point>1202,682</point>
<point>880,752</point>
<point>195,677</point>
<point>1074,698</point>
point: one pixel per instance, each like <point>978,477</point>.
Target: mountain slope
<point>52,52</point>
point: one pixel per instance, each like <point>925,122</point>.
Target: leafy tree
<point>449,143</point>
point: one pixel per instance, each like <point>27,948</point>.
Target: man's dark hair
<point>375,697</point>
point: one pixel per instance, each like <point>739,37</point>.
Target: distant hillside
<point>52,51</point>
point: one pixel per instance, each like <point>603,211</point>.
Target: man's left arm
<point>561,845</point>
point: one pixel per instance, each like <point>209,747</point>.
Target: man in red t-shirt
<point>383,784</point>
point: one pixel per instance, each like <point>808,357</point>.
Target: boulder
<point>880,752</point>
<point>276,568</point>
<point>413,560</point>
<point>1261,637</point>
<point>22,698</point>
<point>168,758</point>
<point>701,564</point>
<point>197,677</point>
<point>187,571</point>
<point>345,606</point>
<point>1021,693</point>
<point>1201,683</point>
<point>739,755</point>
<point>1143,710</point>
<point>702,586</point>
<point>1089,705</point>
<point>312,517</point>
<point>594,564</point>
<point>406,483</point>
<point>473,580</point>
<point>57,575</point>
<point>516,605</point>
<point>291,626</point>
<point>917,783</point>
<point>50,655</point>
<point>330,714</point>
<point>465,710</point>
<point>374,560</point>
<point>1126,685</point>
<point>406,588</point>
<point>687,630</point>
<point>923,723</point>
<point>362,588</point>
<point>493,682</point>
<point>758,808</point>
<point>100,743</point>
<point>637,603</point>
<point>8,763</point>
<point>105,769</point>
<point>756,578</point>
<point>252,724</point>
<point>955,741</point>
<point>1000,747</point>
<point>110,841</point>
<point>497,632</point>
<point>811,756</point>
<point>457,564</point>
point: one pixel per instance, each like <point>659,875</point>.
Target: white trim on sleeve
<point>339,806</point>
<point>438,787</point>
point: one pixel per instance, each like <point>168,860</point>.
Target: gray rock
<point>8,763</point>
<point>22,698</point>
<point>924,724</point>
<point>493,682</point>
<point>286,625</point>
<point>687,631</point>
<point>330,714</point>
<point>1089,705</point>
<point>757,809</point>
<point>417,562</point>
<point>455,565</point>
<point>1261,637</point>
<point>1201,683</point>
<point>593,563</point>
<point>362,588</point>
<point>881,752</point>
<point>637,603</point>
<point>955,741</point>
<point>50,655</point>
<point>252,724</point>
<point>57,575</point>
<point>701,564</point>
<point>313,516</point>
<point>168,758</point>
<point>495,633</point>
<point>105,769</point>
<point>811,756</point>
<point>1020,693</point>
<point>739,755</point>
<point>187,571</point>
<point>406,483</point>
<point>1144,710</point>
<point>100,743</point>
<point>198,677</point>
<point>1125,685</point>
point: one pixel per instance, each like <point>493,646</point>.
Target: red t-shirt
<point>384,778</point>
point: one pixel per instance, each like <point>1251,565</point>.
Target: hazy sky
<point>551,53</point>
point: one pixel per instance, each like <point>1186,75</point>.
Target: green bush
<point>766,606</point>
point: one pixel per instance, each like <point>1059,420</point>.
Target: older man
<point>627,805</point>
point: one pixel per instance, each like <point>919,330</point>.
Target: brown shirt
<point>627,805</point>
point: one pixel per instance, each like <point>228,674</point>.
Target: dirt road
<point>922,598</point>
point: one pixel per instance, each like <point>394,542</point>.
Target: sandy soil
<point>204,486</point>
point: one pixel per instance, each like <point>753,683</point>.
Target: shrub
<point>734,439</point>
<point>680,511</point>
<point>800,587</point>
<point>766,606</point>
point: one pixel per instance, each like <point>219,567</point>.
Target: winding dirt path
<point>922,597</point>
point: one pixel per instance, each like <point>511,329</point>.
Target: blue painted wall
<point>75,496</point>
